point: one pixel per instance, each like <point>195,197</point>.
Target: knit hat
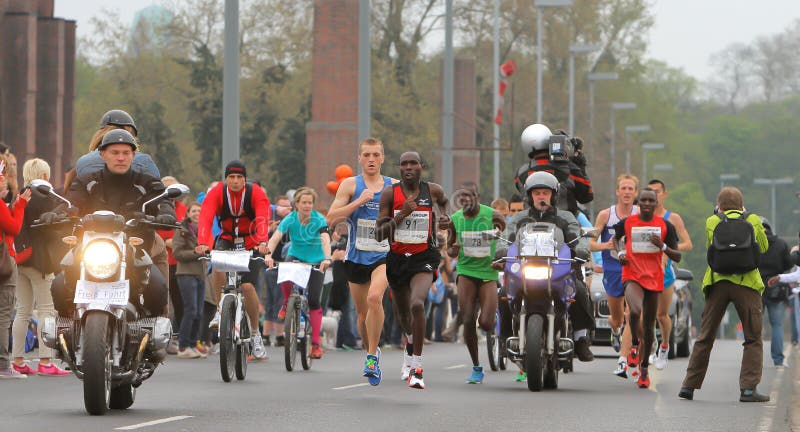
<point>235,167</point>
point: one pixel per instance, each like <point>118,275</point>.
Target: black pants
<point>155,294</point>
<point>580,311</point>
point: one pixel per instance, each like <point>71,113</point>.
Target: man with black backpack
<point>735,239</point>
<point>776,261</point>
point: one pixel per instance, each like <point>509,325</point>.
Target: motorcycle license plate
<point>601,323</point>
<point>102,293</point>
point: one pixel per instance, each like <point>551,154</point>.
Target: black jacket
<point>575,184</point>
<point>46,251</point>
<point>776,259</point>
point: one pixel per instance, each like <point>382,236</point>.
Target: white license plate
<point>601,323</point>
<point>102,293</point>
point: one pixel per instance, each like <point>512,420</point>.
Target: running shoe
<point>521,376</point>
<point>200,354</point>
<point>661,358</point>
<point>316,351</point>
<point>259,352</point>
<point>372,369</point>
<point>188,353</point>
<point>622,369</point>
<point>644,379</point>
<point>616,339</point>
<point>11,373</point>
<point>214,321</point>
<point>633,358</point>
<point>477,375</point>
<point>51,370</point>
<point>23,369</point>
<point>405,369</point>
<point>201,348</point>
<point>415,380</point>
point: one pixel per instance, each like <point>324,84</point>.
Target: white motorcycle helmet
<point>535,137</point>
<point>540,180</point>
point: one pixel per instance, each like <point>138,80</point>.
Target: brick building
<point>37,75</point>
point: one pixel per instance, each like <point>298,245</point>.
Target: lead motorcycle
<point>539,284</point>
<point>109,342</point>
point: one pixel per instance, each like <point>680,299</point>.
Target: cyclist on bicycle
<point>311,244</point>
<point>243,212</point>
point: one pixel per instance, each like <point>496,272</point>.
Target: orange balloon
<point>332,187</point>
<point>343,171</point>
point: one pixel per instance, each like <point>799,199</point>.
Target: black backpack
<point>733,248</point>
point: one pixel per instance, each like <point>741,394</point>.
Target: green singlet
<point>476,254</point>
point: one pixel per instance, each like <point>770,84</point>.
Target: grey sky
<point>685,34</point>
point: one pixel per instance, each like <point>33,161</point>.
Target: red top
<point>411,235</point>
<point>11,222</point>
<point>180,214</point>
<point>644,265</point>
<point>253,231</point>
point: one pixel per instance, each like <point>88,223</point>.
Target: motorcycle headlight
<point>536,272</point>
<point>101,259</point>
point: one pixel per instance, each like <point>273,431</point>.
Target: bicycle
<point>234,340</point>
<point>297,325</point>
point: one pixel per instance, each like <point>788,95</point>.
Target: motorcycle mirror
<point>490,235</point>
<point>177,191</point>
<point>43,186</point>
<point>590,232</point>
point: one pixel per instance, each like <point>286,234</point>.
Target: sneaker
<point>633,358</point>
<point>521,376</point>
<point>172,347</point>
<point>583,351</point>
<point>644,379</point>
<point>316,351</point>
<point>201,348</point>
<point>214,321</point>
<point>23,369</point>
<point>661,358</point>
<point>11,373</point>
<point>405,369</point>
<point>752,396</point>
<point>477,375</point>
<point>188,353</point>
<point>282,313</point>
<point>686,393</point>
<point>199,354</point>
<point>415,380</point>
<point>259,352</point>
<point>51,370</point>
<point>616,340</point>
<point>372,369</point>
<point>279,341</point>
<point>622,369</point>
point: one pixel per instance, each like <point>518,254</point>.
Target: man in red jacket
<point>244,213</point>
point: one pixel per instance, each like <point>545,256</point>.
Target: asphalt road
<point>188,395</point>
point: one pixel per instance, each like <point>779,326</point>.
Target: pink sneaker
<point>51,370</point>
<point>24,369</point>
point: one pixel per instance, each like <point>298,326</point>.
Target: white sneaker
<point>259,352</point>
<point>405,369</point>
<point>199,354</point>
<point>10,373</point>
<point>188,353</point>
<point>215,321</point>
<point>416,381</point>
<point>661,358</point>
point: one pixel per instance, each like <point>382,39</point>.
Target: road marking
<point>350,386</point>
<point>769,409</point>
<point>458,366</point>
<point>154,422</point>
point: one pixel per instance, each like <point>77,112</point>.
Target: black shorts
<point>256,266</point>
<point>401,268</point>
<point>361,273</point>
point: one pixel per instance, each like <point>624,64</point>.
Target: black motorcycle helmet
<point>118,136</point>
<point>118,118</point>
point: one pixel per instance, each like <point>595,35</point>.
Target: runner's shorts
<point>612,282</point>
<point>256,266</point>
<point>361,273</point>
<point>401,268</point>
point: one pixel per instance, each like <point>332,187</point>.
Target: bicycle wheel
<point>243,348</point>
<point>305,348</point>
<point>492,349</point>
<point>227,345</point>
<point>290,333</point>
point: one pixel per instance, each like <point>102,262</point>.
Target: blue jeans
<point>193,292</point>
<point>776,312</point>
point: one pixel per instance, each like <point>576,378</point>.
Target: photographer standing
<point>775,261</point>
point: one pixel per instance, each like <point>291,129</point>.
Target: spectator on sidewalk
<point>775,261</point>
<point>190,273</point>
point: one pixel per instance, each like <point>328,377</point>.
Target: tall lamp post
<point>576,49</point>
<point>646,147</point>
<point>729,177</point>
<point>600,76</point>
<point>630,130</point>
<point>617,106</point>
<point>540,5</point>
<point>230,84</point>
<point>772,183</point>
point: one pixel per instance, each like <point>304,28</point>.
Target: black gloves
<point>50,217</point>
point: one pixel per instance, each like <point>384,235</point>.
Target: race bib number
<point>238,244</point>
<point>413,229</point>
<point>474,245</point>
<point>365,237</point>
<point>640,239</point>
<point>102,293</point>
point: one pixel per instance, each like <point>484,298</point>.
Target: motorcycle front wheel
<point>227,344</point>
<point>97,363</point>
<point>535,352</point>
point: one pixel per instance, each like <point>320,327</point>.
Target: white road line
<point>154,422</point>
<point>350,386</point>
<point>458,366</point>
<point>769,409</point>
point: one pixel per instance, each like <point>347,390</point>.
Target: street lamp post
<point>728,177</point>
<point>772,183</point>
<point>575,49</point>
<point>496,102</point>
<point>600,76</point>
<point>540,5</point>
<point>645,148</point>
<point>613,163</point>
<point>629,130</point>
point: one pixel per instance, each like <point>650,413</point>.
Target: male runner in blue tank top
<point>357,202</point>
